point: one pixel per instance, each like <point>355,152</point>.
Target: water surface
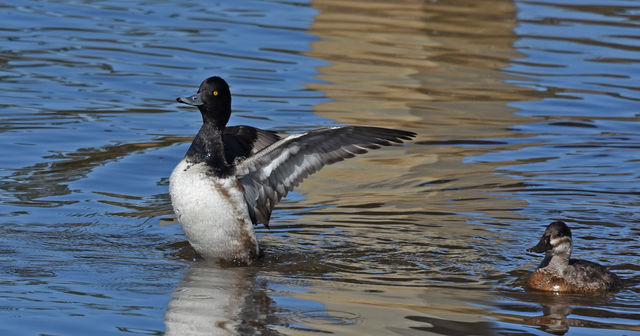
<point>526,113</point>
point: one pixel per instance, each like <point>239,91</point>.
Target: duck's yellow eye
<point>215,93</point>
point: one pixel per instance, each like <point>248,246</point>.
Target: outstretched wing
<point>273,172</point>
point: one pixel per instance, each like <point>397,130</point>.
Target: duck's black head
<point>213,99</point>
<point>556,238</point>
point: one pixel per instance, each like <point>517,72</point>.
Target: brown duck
<point>559,273</point>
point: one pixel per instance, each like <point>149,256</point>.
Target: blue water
<point>88,102</point>
<point>90,132</point>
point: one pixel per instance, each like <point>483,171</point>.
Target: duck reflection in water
<point>557,308</point>
<point>213,300</point>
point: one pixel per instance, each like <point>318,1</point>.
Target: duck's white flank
<point>213,213</point>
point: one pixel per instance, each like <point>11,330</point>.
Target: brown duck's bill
<point>542,246</point>
<point>194,100</point>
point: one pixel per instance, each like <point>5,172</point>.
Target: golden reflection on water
<point>429,68</point>
<point>379,310</point>
<point>432,68</point>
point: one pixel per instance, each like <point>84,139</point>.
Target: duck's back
<point>580,276</point>
<point>591,277</point>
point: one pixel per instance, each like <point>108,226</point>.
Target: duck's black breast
<point>235,144</point>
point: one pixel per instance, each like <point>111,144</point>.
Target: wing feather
<point>274,171</point>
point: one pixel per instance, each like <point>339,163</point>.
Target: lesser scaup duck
<point>559,273</point>
<point>232,177</point>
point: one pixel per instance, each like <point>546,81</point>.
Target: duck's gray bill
<point>194,100</point>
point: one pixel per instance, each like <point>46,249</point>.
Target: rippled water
<point>527,112</point>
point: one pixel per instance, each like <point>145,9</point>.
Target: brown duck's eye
<point>215,93</point>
